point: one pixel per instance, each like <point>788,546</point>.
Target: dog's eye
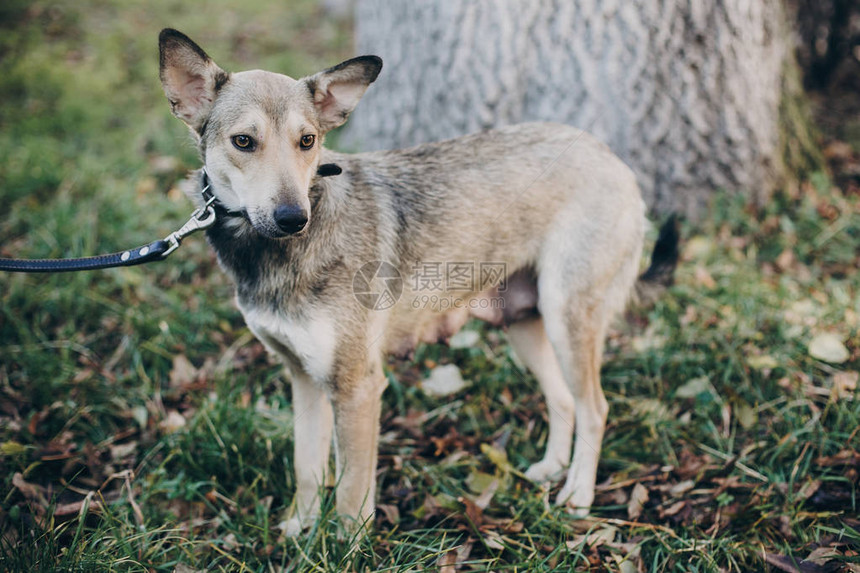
<point>307,141</point>
<point>243,142</point>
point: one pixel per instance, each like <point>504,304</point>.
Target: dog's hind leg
<point>313,423</point>
<point>577,336</point>
<point>530,342</point>
<point>576,314</point>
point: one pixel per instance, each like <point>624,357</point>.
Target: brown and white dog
<point>326,268</point>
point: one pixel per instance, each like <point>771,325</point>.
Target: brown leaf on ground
<point>692,464</point>
<point>704,278</point>
<point>172,423</point>
<point>430,508</point>
<point>783,563</point>
<point>452,560</point>
<point>483,500</point>
<point>818,563</point>
<point>121,451</point>
<point>808,489</point>
<point>786,260</point>
<point>447,562</point>
<point>673,509</point>
<point>31,491</point>
<point>845,457</point>
<point>76,507</point>
<point>183,372</point>
<point>389,512</point>
<point>593,539</point>
<point>638,498</point>
<point>845,383</point>
<point>838,151</point>
<point>474,513</point>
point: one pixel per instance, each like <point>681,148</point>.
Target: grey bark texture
<point>687,92</point>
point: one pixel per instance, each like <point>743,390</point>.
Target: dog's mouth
<point>272,232</point>
<point>268,225</point>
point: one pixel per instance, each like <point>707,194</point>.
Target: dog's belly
<point>438,318</point>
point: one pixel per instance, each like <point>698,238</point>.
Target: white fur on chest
<point>313,342</point>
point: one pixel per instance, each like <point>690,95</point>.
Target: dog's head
<point>259,132</point>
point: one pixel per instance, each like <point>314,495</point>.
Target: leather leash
<point>201,219</point>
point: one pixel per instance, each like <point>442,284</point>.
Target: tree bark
<point>687,92</point>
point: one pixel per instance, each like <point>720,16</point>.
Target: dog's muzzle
<point>291,218</point>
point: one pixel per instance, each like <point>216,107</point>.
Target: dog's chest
<point>309,344</point>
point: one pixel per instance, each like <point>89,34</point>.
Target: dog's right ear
<point>336,91</point>
<point>190,78</point>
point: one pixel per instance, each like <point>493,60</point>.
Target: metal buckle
<point>201,219</point>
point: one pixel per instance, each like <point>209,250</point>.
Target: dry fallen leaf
<point>673,509</point>
<point>786,260</point>
<point>704,278</point>
<point>595,538</point>
<point>450,561</point>
<point>698,248</point>
<point>649,340</point>
<point>474,513</point>
<point>172,423</point>
<point>683,487</point>
<point>693,388</point>
<point>761,362</point>
<point>746,415</point>
<point>839,150</point>
<point>12,448</point>
<point>829,348</point>
<point>390,512</point>
<point>464,339</point>
<point>447,562</point>
<point>845,383</point>
<point>30,491</point>
<point>822,555</point>
<point>120,451</point>
<point>638,498</point>
<point>498,456</point>
<point>483,500</point>
<point>183,372</point>
<point>444,381</point>
<point>843,458</point>
<point>493,540</point>
<point>77,507</point>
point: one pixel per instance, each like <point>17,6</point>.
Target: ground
<point>142,428</point>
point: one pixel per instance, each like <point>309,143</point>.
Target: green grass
<point>717,407</point>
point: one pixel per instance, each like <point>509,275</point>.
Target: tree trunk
<point>688,92</point>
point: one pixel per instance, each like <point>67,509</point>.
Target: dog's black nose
<point>291,218</point>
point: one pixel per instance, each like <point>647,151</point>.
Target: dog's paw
<point>293,527</point>
<point>545,471</point>
<point>577,500</point>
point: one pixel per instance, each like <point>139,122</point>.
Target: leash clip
<point>201,219</point>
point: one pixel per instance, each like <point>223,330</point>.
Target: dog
<point>335,256</point>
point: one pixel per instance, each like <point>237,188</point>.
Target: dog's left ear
<point>336,91</point>
<point>190,78</point>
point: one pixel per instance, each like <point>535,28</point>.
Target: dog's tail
<point>660,275</point>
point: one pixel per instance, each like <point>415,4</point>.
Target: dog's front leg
<point>312,423</point>
<point>357,405</point>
